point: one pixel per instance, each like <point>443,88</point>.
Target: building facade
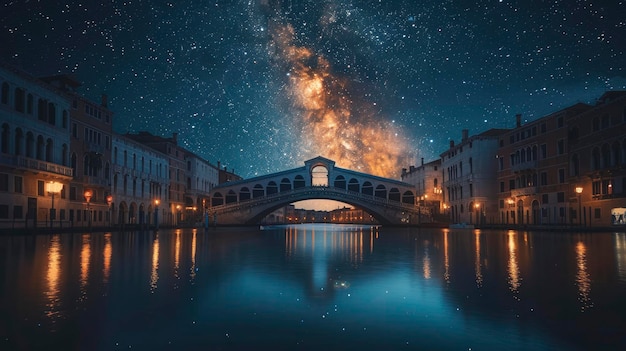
<point>597,163</point>
<point>427,179</point>
<point>91,131</point>
<point>202,176</point>
<point>35,171</point>
<point>469,175</point>
<point>140,183</point>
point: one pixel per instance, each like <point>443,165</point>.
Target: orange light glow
<point>333,124</point>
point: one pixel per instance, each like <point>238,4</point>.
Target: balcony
<point>93,181</point>
<point>522,166</point>
<point>531,190</point>
<point>33,165</point>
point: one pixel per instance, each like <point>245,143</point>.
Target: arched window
<point>381,191</point>
<point>298,182</point>
<point>4,145</point>
<point>41,110</point>
<point>394,194</point>
<point>52,115</point>
<point>73,163</point>
<point>408,197</point>
<point>40,148</point>
<point>272,188</point>
<point>231,197</point>
<point>64,150</point>
<point>244,194</point>
<point>257,191</point>
<point>5,93</point>
<point>367,189</point>
<point>107,171</point>
<point>19,99</point>
<point>49,151</point>
<point>29,104</point>
<point>64,121</point>
<point>30,145</point>
<point>340,182</point>
<point>353,185</point>
<point>616,154</point>
<point>319,176</point>
<point>217,199</point>
<point>19,142</point>
<point>595,159</point>
<point>285,185</point>
<point>606,156</point>
<point>86,164</point>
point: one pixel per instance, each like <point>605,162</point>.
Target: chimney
<point>465,132</point>
<point>175,138</point>
<point>105,100</point>
<point>422,161</point>
<point>219,165</point>
<point>451,144</point>
<point>518,120</point>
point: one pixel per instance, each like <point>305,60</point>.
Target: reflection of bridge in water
<point>248,201</point>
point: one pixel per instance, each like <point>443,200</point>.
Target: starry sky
<point>262,85</point>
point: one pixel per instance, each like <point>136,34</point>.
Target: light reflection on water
<point>314,287</point>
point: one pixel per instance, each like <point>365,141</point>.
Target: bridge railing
<point>294,195</point>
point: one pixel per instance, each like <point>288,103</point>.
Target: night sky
<point>263,85</point>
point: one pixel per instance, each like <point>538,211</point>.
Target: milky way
<point>264,85</point>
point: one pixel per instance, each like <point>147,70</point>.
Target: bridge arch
<point>243,201</point>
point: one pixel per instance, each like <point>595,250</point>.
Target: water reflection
<point>108,251</point>
<point>192,270</point>
<point>85,256</point>
<point>446,257</point>
<point>426,260</point>
<point>52,277</point>
<point>620,255</point>
<point>513,265</point>
<point>325,286</point>
<point>477,264</point>
<point>154,275</point>
<point>583,279</point>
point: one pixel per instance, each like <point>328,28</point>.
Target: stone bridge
<point>247,202</point>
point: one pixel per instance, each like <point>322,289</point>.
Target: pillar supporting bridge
<point>248,201</point>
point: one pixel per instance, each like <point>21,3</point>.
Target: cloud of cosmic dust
<point>331,121</point>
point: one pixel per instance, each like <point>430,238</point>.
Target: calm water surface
<point>313,287</point>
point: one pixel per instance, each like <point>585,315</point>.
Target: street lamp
<point>88,194</point>
<point>579,191</point>
<point>53,188</point>
<point>156,213</point>
<point>109,202</point>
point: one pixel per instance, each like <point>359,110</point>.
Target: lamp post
<point>178,207</point>
<point>156,214</point>
<point>88,194</point>
<point>579,191</point>
<point>53,188</point>
<point>109,202</point>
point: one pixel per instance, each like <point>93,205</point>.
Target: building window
<point>40,188</point>
<point>18,212</point>
<point>4,211</point>
<point>560,146</point>
<point>559,122</point>
<point>543,128</point>
<point>501,187</point>
<point>544,199</point>
<point>560,197</point>
<point>17,183</point>
<point>561,175</point>
<point>597,213</point>
<point>511,184</point>
<point>544,151</point>
<point>4,182</point>
<point>544,178</point>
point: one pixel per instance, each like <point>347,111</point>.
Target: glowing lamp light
<point>109,200</point>
<point>54,187</point>
<point>579,190</point>
<point>88,194</point>
<point>157,202</point>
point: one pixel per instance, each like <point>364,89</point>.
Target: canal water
<point>314,287</point>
